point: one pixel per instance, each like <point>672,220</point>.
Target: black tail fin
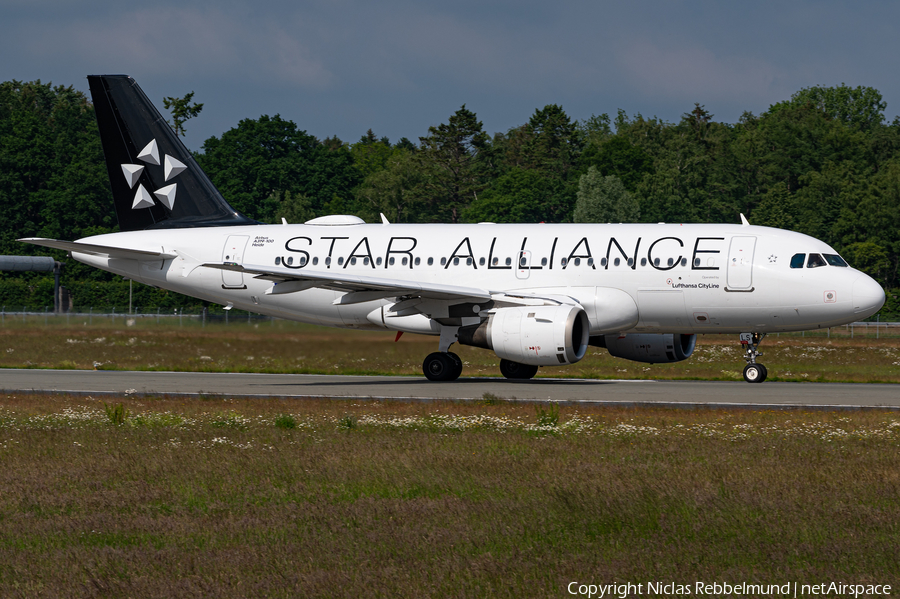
<point>156,183</point>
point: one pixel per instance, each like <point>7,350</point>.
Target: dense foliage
<point>825,162</point>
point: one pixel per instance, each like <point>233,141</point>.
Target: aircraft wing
<point>97,250</point>
<point>373,287</point>
<point>364,288</point>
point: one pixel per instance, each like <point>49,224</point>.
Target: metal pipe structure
<point>35,264</point>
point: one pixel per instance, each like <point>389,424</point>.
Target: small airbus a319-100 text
<point>534,294</point>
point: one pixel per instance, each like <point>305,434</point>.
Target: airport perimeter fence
<point>879,326</point>
<point>115,316</point>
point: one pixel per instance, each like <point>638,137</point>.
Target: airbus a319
<point>534,294</point>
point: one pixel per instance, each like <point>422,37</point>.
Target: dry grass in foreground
<point>282,346</point>
<point>154,497</point>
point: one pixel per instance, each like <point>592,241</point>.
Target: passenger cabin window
<point>430,261</point>
<point>814,261</point>
<point>797,260</point>
<point>835,260</point>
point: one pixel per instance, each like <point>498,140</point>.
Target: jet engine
<point>533,335</point>
<point>652,348</point>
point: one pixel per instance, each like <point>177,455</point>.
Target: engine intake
<point>535,335</point>
<point>651,348</point>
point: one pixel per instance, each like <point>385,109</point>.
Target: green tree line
<point>825,162</point>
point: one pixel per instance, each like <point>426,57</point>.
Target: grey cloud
<point>398,66</point>
<point>180,42</point>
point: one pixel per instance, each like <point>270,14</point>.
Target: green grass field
<point>219,497</point>
<point>157,497</point>
<point>282,346</point>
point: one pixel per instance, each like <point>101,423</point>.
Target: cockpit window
<point>815,260</point>
<point>797,260</point>
<point>835,260</point>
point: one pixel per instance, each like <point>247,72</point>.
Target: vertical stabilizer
<point>156,183</point>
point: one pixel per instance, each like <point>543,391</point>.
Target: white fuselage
<point>681,278</point>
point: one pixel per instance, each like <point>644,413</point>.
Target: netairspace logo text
<point>720,589</point>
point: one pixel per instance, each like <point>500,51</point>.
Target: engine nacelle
<point>652,348</point>
<point>534,335</point>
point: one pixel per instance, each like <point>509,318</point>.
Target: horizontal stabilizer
<point>98,250</point>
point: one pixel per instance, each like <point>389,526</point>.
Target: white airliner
<point>535,294</point>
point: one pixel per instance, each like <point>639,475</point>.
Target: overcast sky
<point>396,66</point>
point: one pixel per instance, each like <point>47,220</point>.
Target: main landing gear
<point>753,372</point>
<point>446,366</point>
<point>514,370</point>
<point>442,366</point>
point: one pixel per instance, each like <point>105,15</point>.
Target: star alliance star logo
<point>132,172</point>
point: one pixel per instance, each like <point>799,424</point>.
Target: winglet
<point>744,221</point>
<point>283,221</point>
<point>384,220</point>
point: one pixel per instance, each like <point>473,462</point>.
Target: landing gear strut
<point>753,372</point>
<point>442,366</point>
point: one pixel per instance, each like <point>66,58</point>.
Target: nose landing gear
<point>753,372</point>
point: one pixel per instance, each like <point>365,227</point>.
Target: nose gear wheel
<point>753,372</point>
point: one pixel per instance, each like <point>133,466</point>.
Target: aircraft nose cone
<point>868,296</point>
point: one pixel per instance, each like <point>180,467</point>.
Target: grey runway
<point>710,394</point>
